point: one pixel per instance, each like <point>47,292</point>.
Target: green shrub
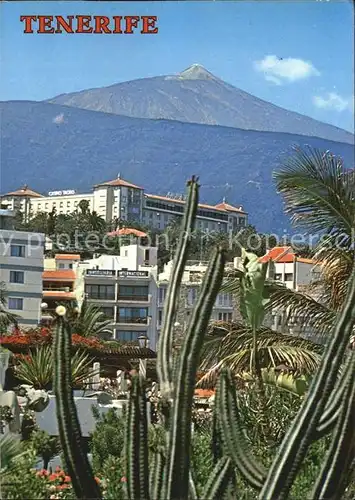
<point>107,440</point>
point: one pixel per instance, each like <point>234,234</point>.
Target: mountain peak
<point>195,72</point>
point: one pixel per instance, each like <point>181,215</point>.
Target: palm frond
<point>230,345</point>
<point>307,309</point>
<point>317,193</point>
<point>10,448</point>
<point>310,308</point>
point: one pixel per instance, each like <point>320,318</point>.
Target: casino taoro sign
<point>65,192</point>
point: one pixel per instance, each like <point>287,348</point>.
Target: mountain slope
<point>53,147</point>
<point>197,96</point>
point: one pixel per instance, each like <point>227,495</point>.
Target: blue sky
<point>298,55</point>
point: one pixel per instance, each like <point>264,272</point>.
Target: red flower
<point>123,479</point>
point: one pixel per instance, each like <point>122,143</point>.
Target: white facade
<point>21,267</point>
<point>223,309</point>
<point>125,288</point>
<point>62,204</point>
<point>119,199</point>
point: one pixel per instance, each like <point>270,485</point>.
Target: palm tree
<point>89,321</point>
<point>6,317</point>
<point>319,196</point>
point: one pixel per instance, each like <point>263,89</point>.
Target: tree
<point>319,196</point>
<point>7,319</point>
<point>84,206</point>
<point>89,321</point>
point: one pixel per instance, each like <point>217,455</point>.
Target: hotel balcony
<point>58,285</point>
<point>134,299</point>
<point>127,323</point>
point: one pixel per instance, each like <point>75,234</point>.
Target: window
<point>108,312</point>
<point>146,255</point>
<point>15,303</point>
<point>192,296</point>
<point>224,299</point>
<point>127,336</point>
<point>68,203</point>
<point>278,276</point>
<point>288,276</point>
<point>160,317</point>
<point>225,316</point>
<point>17,277</point>
<point>46,205</point>
<point>132,315</point>
<point>61,265</point>
<point>104,292</point>
<point>162,294</point>
<point>133,292</point>
<point>18,251</point>
<point>70,266</point>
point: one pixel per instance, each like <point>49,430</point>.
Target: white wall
<point>32,267</point>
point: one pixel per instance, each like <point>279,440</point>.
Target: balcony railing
<point>134,298</point>
<point>127,319</point>
<point>58,289</point>
<point>98,297</point>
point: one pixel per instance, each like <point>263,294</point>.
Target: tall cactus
<point>329,406</point>
<point>76,459</point>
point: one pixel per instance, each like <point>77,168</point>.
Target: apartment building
<point>21,267</point>
<point>223,309</point>
<point>62,282</point>
<point>124,287</point>
<point>296,273</point>
<point>20,200</point>
<point>123,200</point>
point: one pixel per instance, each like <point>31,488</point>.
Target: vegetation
<point>329,407</point>
<point>319,196</point>
<point>36,369</point>
<point>7,319</point>
<point>89,321</point>
<point>263,439</point>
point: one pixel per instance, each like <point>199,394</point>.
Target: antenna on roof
<point>224,199</point>
<point>119,175</point>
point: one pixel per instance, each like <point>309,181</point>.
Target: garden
<point>238,412</point>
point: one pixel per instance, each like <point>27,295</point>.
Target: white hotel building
<point>21,267</point>
<point>123,200</point>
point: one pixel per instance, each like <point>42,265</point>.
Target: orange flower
<point>63,486</point>
<point>53,477</point>
<point>97,480</point>
<point>123,479</point>
<point>67,479</point>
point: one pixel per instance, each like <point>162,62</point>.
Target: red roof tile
<point>60,274</point>
<point>229,208</point>
<point>276,253</point>
<point>58,294</point>
<point>67,256</point>
<point>24,192</point>
<point>126,231</point>
<point>118,182</point>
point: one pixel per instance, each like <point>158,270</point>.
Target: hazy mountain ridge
<point>51,147</point>
<point>197,96</point>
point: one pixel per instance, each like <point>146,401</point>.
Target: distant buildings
<point>21,267</point>
<point>123,200</point>
<point>297,273</point>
